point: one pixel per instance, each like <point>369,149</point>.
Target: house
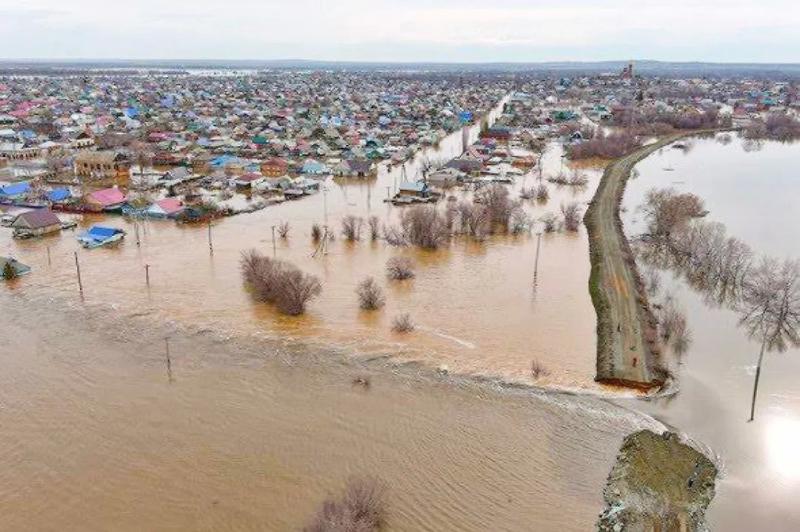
<point>37,222</point>
<point>312,167</point>
<point>274,167</point>
<point>418,189</point>
<point>108,199</point>
<point>165,208</point>
<point>446,177</point>
<point>360,167</point>
<point>83,140</point>
<point>498,133</point>
<point>10,268</point>
<point>249,180</point>
<point>102,165</point>
<point>99,235</point>
<point>467,165</point>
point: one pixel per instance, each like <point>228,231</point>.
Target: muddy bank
<point>657,483</point>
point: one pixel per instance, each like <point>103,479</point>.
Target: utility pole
<point>147,274</point>
<point>536,262</point>
<point>210,243</point>
<point>78,269</point>
<point>169,360</point>
<point>49,262</point>
<point>274,248</point>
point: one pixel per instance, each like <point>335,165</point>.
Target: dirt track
<point>627,346</point>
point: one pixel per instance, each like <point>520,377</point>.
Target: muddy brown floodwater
<point>476,305</point>
<point>261,420</point>
<point>751,189</point>
<point>252,435</point>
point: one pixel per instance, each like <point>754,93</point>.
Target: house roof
<point>169,205</point>
<point>108,196</point>
<point>14,189</point>
<point>37,219</point>
<point>360,165</point>
<point>59,194</point>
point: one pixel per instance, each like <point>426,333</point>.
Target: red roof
<point>170,205</point>
<point>108,197</point>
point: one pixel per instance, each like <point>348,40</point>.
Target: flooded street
<point>476,305</point>
<point>254,435</point>
<point>750,191</point>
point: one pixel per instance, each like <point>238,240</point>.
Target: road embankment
<point>628,351</point>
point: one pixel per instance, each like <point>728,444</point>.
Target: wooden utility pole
<point>210,243</point>
<point>147,274</point>
<point>78,269</point>
<point>169,360</point>
<point>274,248</point>
<point>536,262</point>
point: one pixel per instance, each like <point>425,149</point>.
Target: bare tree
<point>542,194</point>
<point>424,226</point>
<point>667,211</point>
<point>278,282</point>
<point>550,222</point>
<point>394,236</point>
<point>403,323</point>
<point>283,230</point>
<point>374,228</point>
<point>538,370</point>
<point>498,203</point>
<point>571,213</point>
<point>370,295</point>
<point>316,232</point>
<point>770,307</point>
<point>351,227</point>
<point>473,219</point>
<point>400,268</point>
<point>520,222</point>
<point>362,508</point>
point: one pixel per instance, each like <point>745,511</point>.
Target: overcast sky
<point>403,30</point>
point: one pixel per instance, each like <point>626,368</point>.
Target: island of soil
<point>657,484</point>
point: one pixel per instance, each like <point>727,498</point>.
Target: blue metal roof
<point>99,232</point>
<point>59,194</point>
<point>15,189</point>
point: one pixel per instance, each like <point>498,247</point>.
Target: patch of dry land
<point>657,484</point>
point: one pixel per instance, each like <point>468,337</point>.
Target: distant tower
<point>627,72</point>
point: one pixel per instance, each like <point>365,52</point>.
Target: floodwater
<point>750,189</point>
<point>477,308</point>
<point>260,419</point>
<point>254,435</point>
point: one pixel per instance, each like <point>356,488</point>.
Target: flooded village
<point>234,292</point>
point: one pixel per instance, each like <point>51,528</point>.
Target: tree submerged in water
<point>770,307</point>
<point>278,282</point>
<point>9,272</point>
<point>362,508</point>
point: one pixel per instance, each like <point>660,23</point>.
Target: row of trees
<point>764,292</point>
<point>776,126</point>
